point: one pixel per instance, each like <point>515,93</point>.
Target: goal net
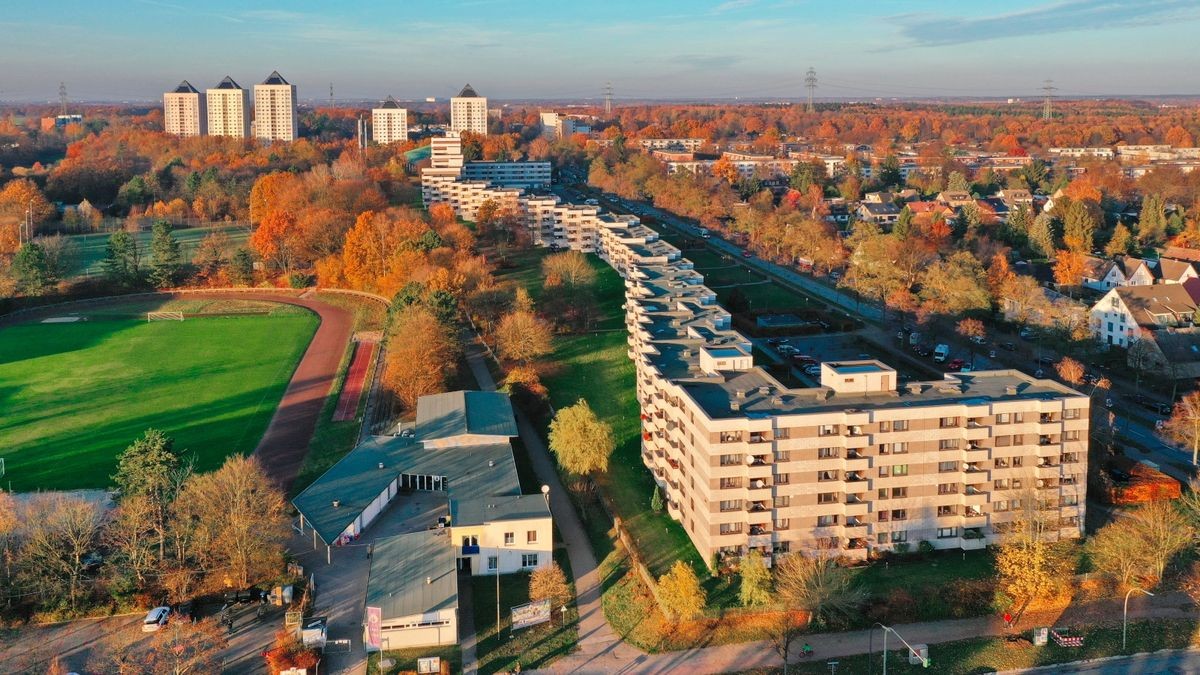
<point>164,316</point>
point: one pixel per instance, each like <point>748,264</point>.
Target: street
<point>1172,662</point>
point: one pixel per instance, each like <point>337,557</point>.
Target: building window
<point>730,528</point>
<point>899,492</point>
<point>510,538</point>
<point>827,453</point>
<point>731,460</point>
<point>1018,417</point>
<point>948,444</point>
<point>783,455</point>
<point>730,436</point>
<point>827,521</point>
<point>946,467</point>
<point>730,483</point>
<point>1000,484</point>
<point>1071,414</point>
<point>783,524</point>
<point>947,488</point>
<point>783,478</point>
<point>947,532</point>
<point>827,430</point>
<point>885,426</point>
<point>1070,500</point>
<point>529,560</point>
<point>1017,462</point>
<point>493,562</point>
<point>1018,439</point>
<point>899,514</point>
<point>823,476</point>
<point>947,422</point>
<point>531,537</point>
<point>947,510</point>
<point>827,498</point>
<point>1016,483</point>
<point>900,470</point>
<point>783,502</point>
<point>900,425</point>
<point>1002,418</point>
<point>731,505</point>
<point>899,537</point>
<point>1072,435</point>
<point>1000,507</point>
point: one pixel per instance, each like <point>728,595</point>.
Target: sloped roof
<point>1096,268</point>
<point>1181,253</point>
<point>413,574</point>
<point>185,87</point>
<point>274,78</point>
<point>1169,268</point>
<point>389,102</point>
<point>228,83</point>
<point>1181,348</point>
<point>467,92</point>
<point>455,413</point>
<point>1146,301</point>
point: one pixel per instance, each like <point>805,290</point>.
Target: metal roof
<point>483,510</point>
<point>484,413</point>
<point>413,573</point>
<point>185,87</point>
<point>467,92</point>
<point>389,103</point>
<point>227,83</point>
<point>275,78</point>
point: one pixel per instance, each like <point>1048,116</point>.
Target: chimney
<point>740,393</point>
<point>337,503</point>
<point>428,580</point>
<point>735,405</point>
<point>915,388</point>
<point>381,465</point>
<point>1011,390</point>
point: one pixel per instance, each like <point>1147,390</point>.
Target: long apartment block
<point>861,463</point>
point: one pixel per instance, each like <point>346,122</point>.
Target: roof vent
<point>764,390</point>
<point>776,400</point>
<point>381,465</point>
<point>337,503</point>
<point>491,463</point>
<point>915,388</point>
<point>741,393</point>
<point>735,405</point>
<point>428,580</point>
<point>1011,390</point>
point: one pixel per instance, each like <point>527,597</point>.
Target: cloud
<point>732,5</point>
<point>928,30</point>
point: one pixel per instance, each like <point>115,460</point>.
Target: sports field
<point>73,395</point>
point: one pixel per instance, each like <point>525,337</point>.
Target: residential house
<point>1101,274</point>
<point>878,213</point>
<point>1016,198</point>
<point>1171,271</point>
<point>955,198</point>
<point>1173,353</point>
<point>1125,311</point>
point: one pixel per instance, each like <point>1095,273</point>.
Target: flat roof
<point>455,413</point>
<point>859,367</point>
<point>481,510</point>
<point>413,574</point>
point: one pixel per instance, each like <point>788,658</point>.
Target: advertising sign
<point>524,616</point>
<point>374,627</point>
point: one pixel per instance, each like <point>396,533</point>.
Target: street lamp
<point>1125,613</point>
<point>888,629</point>
<point>546,495</point>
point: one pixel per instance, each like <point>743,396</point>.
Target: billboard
<point>374,627</point>
<point>531,614</point>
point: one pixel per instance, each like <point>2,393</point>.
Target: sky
<point>568,50</point>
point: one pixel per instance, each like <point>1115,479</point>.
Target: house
<point>926,212</point>
<point>879,198</point>
<point>1123,312</point>
<point>992,210</point>
<point>1171,271</point>
<point>414,584</point>
<point>1100,274</point>
<point>880,214</point>
<point>1016,198</point>
<point>955,198</point>
<point>502,534</point>
<point>1180,253</point>
<point>1173,353</point>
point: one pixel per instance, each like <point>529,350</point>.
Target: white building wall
<point>184,114</point>
<point>228,112</point>
<point>275,112</point>
<point>469,114</point>
<point>389,125</point>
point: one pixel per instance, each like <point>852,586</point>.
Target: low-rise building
<point>414,583</point>
<point>1119,317</point>
<point>879,213</point>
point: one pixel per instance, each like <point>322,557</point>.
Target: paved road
<point>1166,662</point>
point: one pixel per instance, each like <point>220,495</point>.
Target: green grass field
<point>74,395</point>
<point>91,246</point>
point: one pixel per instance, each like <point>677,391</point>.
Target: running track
<point>352,388</point>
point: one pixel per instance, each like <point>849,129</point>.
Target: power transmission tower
<point>608,99</point>
<point>810,83</point>
<point>1049,88</point>
<point>62,98</point>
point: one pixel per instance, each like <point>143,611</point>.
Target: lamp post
<point>1125,613</point>
<point>871,645</point>
<point>888,629</point>
<point>546,495</point>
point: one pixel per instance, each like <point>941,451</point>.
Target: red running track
<point>356,377</point>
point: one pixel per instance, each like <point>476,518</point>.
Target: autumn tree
<point>1183,426</point>
<point>130,536</point>
<point>212,255</point>
<point>1028,567</point>
<point>955,285</point>
<point>817,585</point>
<point>60,531</point>
<point>755,589</point>
<point>166,260</point>
<point>1070,370</point>
<point>680,592</point>
<point>1120,243</point>
<point>1079,228</point>
<point>570,268</point>
<point>581,440</point>
<point>1068,268</point>
<point>22,202</point>
<point>549,583</point>
<point>236,521</point>
<point>1118,552</point>
<point>184,648</point>
<point>151,468</point>
<point>523,337</point>
<point>274,240</point>
<point>241,268</point>
<point>1165,531</point>
<point>725,170</point>
<point>421,356</point>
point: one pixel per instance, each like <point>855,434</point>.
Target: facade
<point>469,112</point>
<point>510,174</point>
<point>184,111</point>
<point>228,109</point>
<point>389,123</point>
<point>686,144</point>
<point>1120,316</point>
<point>275,109</point>
<point>857,465</point>
<point>503,534</point>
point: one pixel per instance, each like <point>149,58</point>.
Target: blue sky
<point>135,49</point>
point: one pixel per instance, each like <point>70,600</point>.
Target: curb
<point>1102,659</point>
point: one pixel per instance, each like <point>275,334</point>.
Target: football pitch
<point>74,395</point>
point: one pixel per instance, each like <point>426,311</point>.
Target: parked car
<point>941,352</point>
<point>773,340</point>
<point>1027,333</point>
<point>955,365</point>
<point>1008,346</point>
<point>155,619</point>
<point>813,370</point>
<point>803,359</point>
<point>979,339</point>
<point>923,350</point>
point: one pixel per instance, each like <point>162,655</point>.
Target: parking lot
<point>836,347</point>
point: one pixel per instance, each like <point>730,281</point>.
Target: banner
<point>524,616</point>
<point>374,627</point>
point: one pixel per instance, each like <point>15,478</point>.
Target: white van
<point>941,352</point>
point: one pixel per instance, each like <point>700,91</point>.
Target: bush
<point>299,280</point>
<point>969,597</point>
<point>925,548</point>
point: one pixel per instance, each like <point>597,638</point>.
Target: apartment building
<point>389,123</point>
<point>858,464</point>
<point>228,109</point>
<point>529,175</point>
<point>469,112</point>
<point>687,144</point>
<point>184,111</point>
<point>275,109</point>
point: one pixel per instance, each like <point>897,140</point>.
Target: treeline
<point>173,535</point>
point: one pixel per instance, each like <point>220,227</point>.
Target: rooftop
<point>185,87</point>
<point>482,510</point>
<point>467,92</point>
<point>484,413</point>
<point>413,574</point>
<point>227,83</point>
<point>389,103</point>
<point>274,78</point>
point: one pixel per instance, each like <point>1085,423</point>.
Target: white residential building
<point>510,174</point>
<point>502,534</point>
<point>549,121</point>
<point>469,112</point>
<point>184,111</point>
<point>1119,317</point>
<point>389,123</point>
<point>228,109</point>
<point>275,109</point>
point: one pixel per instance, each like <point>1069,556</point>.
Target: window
<point>1016,483</point>
<point>883,493</point>
<point>509,538</point>
<point>900,470</point>
<point>1072,435</point>
<point>1017,461</point>
<point>731,460</point>
<point>899,537</point>
<point>947,510</point>
<point>827,521</point>
<point>782,478</point>
<point>893,448</point>
<point>883,516</point>
<point>783,455</point>
<point>999,507</point>
<point>1002,418</point>
<point>827,498</point>
<point>731,528</point>
<point>900,425</point>
<point>1003,441</point>
<point>827,453</point>
<point>1018,417</point>
<point>493,562</point>
<point>946,467</point>
<point>947,532</point>
<point>731,505</point>
<point>948,444</point>
<point>782,524</point>
<point>783,502</point>
<point>823,476</point>
<point>947,422</point>
<point>529,560</point>
<point>1000,484</point>
<point>899,514</point>
<point>781,433</point>
<point>1070,500</point>
<point>899,492</point>
<point>531,536</point>
<point>730,436</point>
<point>947,488</point>
<point>1071,414</point>
<point>472,540</point>
<point>1001,462</point>
<point>730,483</point>
<point>885,426</point>
<point>827,430</point>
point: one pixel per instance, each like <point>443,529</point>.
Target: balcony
<point>470,550</point>
<point>759,540</point>
<point>756,507</point>
<point>759,484</point>
<point>855,453</point>
<point>758,460</point>
<point>759,438</point>
<point>975,423</point>
<point>854,499</point>
<point>854,521</point>
<point>854,477</point>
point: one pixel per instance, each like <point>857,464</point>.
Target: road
<point>1167,662</point>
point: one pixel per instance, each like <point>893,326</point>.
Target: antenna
<point>62,98</point>
<point>608,99</point>
<point>1049,88</point>
<point>330,94</point>
<point>810,83</point>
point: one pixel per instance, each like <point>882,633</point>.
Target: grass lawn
<point>75,395</point>
<point>405,660</point>
<point>879,579</point>
<point>91,246</point>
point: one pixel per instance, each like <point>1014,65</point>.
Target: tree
<point>723,169</point>
<point>31,270</point>
<point>755,590</point>
<point>1165,532</point>
<point>1068,268</point>
<point>275,240</point>
<point>1152,222</point>
<point>21,202</point>
<point>1079,228</point>
<point>130,535</point>
<point>955,285</point>
<point>60,531</point>
<point>957,182</point>
<point>421,357</point>
<point>570,268</point>
<point>121,260</point>
<point>656,500</point>
<point>549,583</point>
<point>1120,243</point>
<point>151,468</point>
<point>680,592</point>
<point>1028,567</point>
<point>1183,426</point>
<point>581,441</point>
<point>237,520</point>
<point>818,586</point>
<point>1070,370</point>
<point>182,648</point>
<point>523,337</point>
<point>241,268</point>
<point>1041,235</point>
<point>165,257</point>
<point>212,254</point>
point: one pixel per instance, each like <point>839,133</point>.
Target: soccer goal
<point>164,316</point>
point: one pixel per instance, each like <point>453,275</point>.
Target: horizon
<point>671,50</point>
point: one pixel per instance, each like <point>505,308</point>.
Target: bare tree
<point>1165,531</point>
<point>1184,424</point>
<point>60,532</point>
<point>131,535</point>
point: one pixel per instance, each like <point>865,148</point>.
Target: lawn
<point>405,660</point>
<point>91,246</point>
<point>75,394</point>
